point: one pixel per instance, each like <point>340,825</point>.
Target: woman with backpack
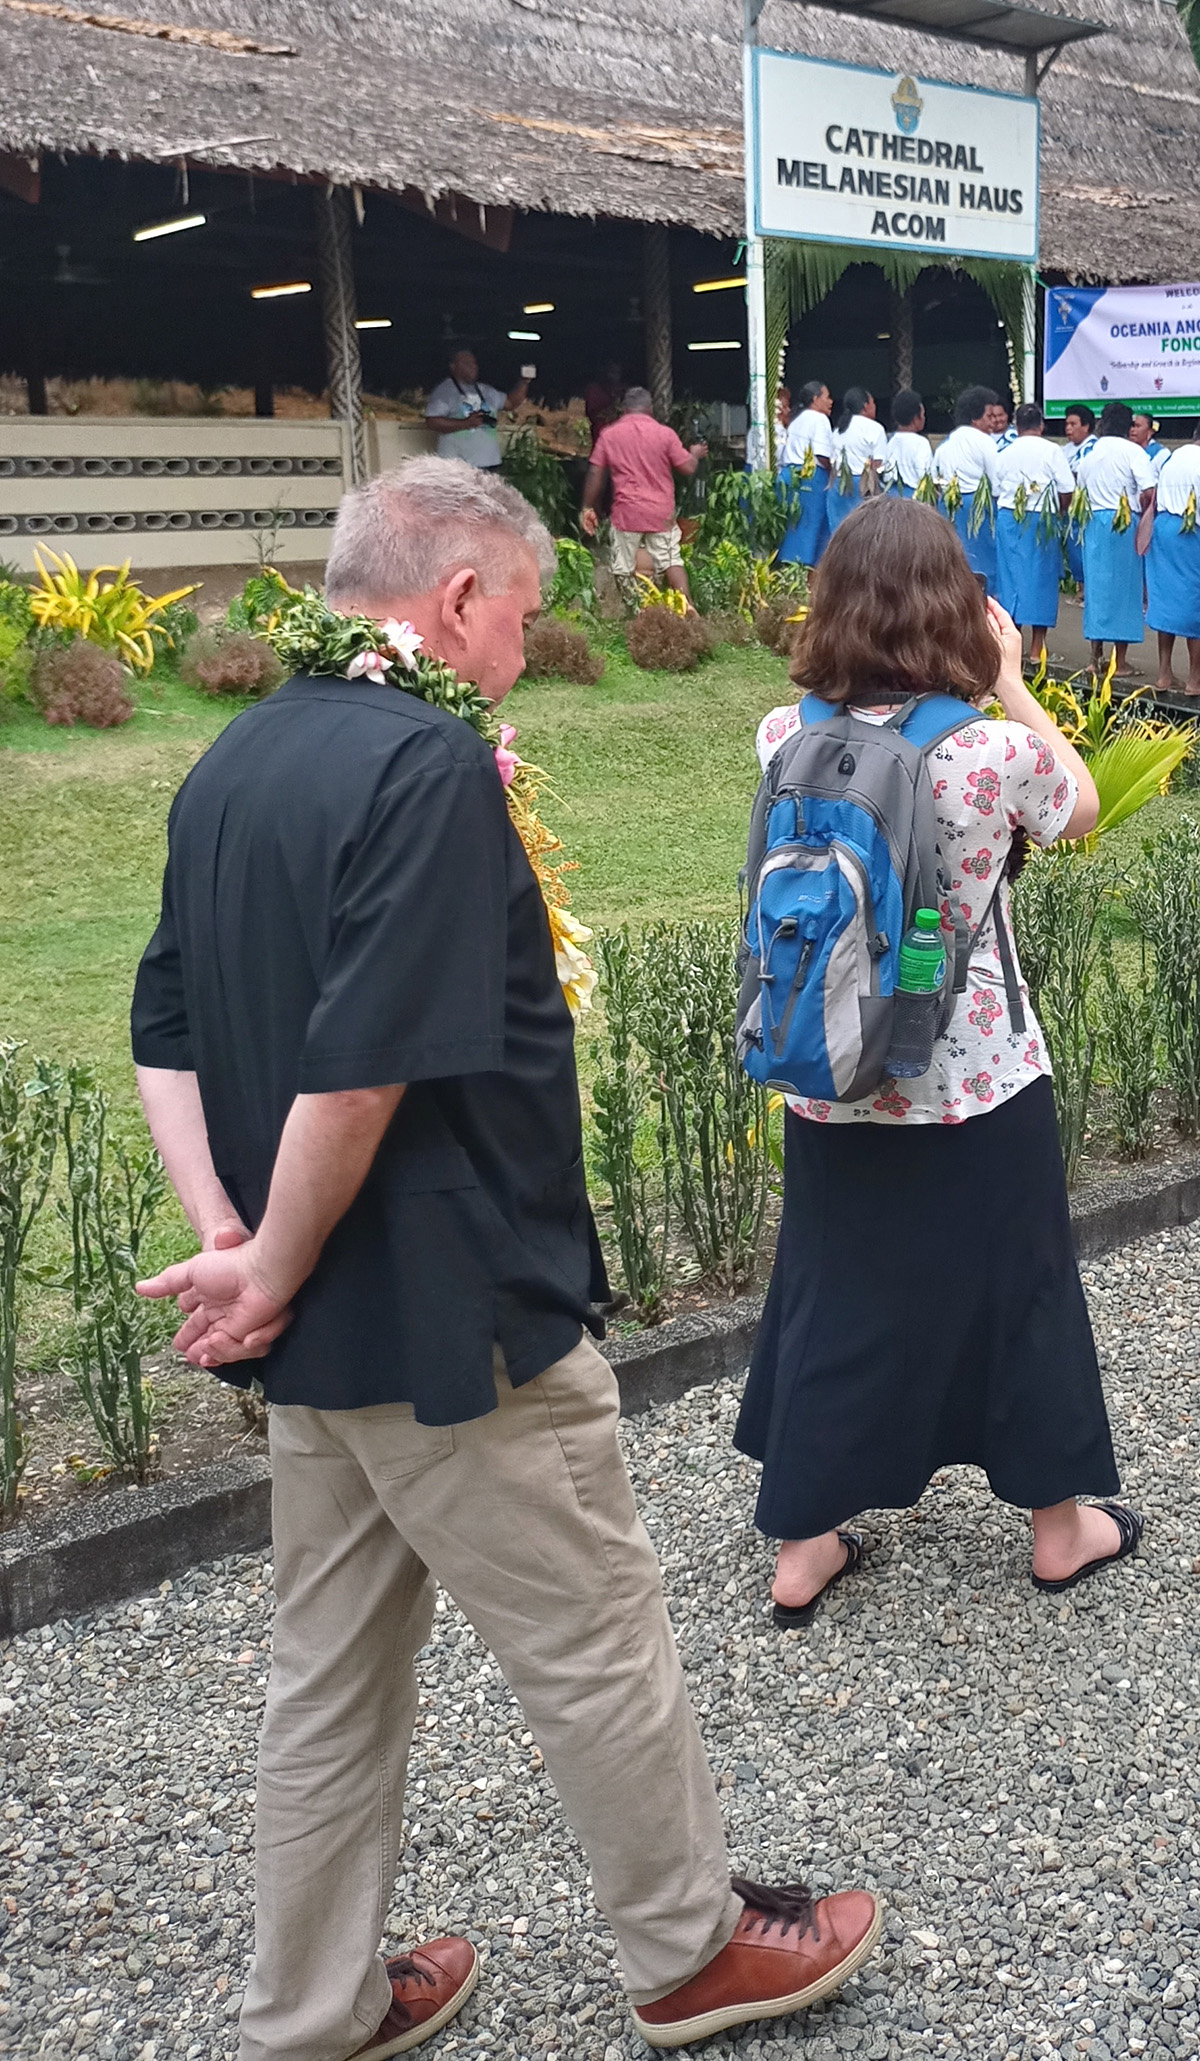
<point>925,1308</point>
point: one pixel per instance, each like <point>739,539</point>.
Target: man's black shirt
<point>347,905</point>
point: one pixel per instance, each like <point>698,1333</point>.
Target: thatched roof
<point>614,107</point>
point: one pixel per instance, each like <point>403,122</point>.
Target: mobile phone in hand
<point>529,371</point>
<point>981,583</point>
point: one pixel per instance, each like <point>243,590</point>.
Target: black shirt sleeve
<point>414,985</point>
<point>159,1022</point>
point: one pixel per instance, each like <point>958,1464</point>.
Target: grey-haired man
<point>357,1062</point>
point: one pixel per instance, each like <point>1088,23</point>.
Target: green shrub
<point>1056,911</point>
<point>683,1140</point>
<point>660,641</point>
<point>637,1176</point>
<point>714,1114</point>
<point>1164,902</point>
<point>1129,1046</point>
<point>178,622</point>
<point>114,1192</point>
<point>754,510</point>
<point>535,472</point>
<point>29,1103</point>
<point>265,594</point>
<point>225,661</point>
<point>720,578</point>
<point>16,651</point>
<point>574,583</point>
<point>557,651</point>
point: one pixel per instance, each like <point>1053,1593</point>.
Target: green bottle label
<point>922,962</point>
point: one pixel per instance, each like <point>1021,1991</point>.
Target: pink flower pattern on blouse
<point>989,779</point>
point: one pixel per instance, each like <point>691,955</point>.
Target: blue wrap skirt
<point>1112,582</point>
<point>1173,578</point>
<point>806,539</point>
<point>980,548</point>
<point>1028,569</point>
<point>841,505</point>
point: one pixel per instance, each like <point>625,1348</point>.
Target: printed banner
<point>1123,343</point>
<point>846,155</point>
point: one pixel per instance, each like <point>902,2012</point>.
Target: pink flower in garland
<point>369,665</point>
<point>506,760</point>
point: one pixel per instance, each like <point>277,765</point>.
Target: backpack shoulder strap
<point>934,717</point>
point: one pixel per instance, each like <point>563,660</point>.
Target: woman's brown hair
<point>896,610</point>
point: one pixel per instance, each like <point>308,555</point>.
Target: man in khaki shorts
<point>643,457</point>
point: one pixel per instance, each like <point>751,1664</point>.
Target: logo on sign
<point>908,104</point>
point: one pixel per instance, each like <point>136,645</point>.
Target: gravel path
<point>1018,1774</point>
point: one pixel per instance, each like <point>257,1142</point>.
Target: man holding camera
<point>463,411</point>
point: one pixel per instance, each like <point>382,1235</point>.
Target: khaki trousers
<point>527,1518</point>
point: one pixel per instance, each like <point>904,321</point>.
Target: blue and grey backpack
<point>843,850</point>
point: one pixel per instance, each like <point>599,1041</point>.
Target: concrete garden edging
<point>124,1543</point>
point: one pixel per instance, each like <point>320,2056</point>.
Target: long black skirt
<point>925,1311</point>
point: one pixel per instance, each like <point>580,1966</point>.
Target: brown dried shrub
<point>221,661</point>
<point>662,642</point>
<point>554,651</point>
<point>772,627</point>
<point>79,683</point>
<point>726,626</point>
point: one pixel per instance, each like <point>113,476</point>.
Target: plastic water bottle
<point>918,997</point>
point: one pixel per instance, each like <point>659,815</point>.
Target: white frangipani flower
<point>404,640</point>
<point>368,665</point>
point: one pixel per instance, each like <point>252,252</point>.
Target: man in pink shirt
<point>643,457</point>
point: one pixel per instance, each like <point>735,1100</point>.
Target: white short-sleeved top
<point>1075,452</point>
<point>449,402</point>
<point>967,455</point>
<point>861,440</point>
<point>1114,467</point>
<point>1158,454</point>
<point>1179,478</point>
<point>810,431</point>
<point>908,459</point>
<point>989,779</point>
<point>1040,465</point>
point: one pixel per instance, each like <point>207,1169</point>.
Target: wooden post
<point>901,320</point>
<point>335,261</point>
<point>656,313</point>
<point>35,370</point>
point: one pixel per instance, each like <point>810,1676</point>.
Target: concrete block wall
<point>187,491</point>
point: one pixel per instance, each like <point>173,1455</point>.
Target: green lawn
<point>649,781</point>
<point>651,776</point>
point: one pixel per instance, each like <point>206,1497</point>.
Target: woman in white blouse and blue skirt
<point>1033,492</point>
<point>1118,479</point>
<point>925,1308</point>
<point>859,448</point>
<point>965,468</point>
<point>805,459</point>
<point>1173,565</point>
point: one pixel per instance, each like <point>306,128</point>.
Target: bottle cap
<point>928,919</point>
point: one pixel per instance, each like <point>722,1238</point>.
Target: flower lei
<point>308,637</point>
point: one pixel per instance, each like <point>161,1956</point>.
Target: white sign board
<point>845,155</point>
<point>1124,343</point>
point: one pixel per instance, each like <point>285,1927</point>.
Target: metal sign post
<point>758,433</point>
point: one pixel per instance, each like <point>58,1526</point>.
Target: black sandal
<point>1130,1523</point>
<point>792,1620</point>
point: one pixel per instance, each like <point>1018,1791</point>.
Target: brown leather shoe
<point>787,1952</point>
<point>428,1987</point>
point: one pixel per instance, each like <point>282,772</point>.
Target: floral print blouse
<point>989,779</point>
